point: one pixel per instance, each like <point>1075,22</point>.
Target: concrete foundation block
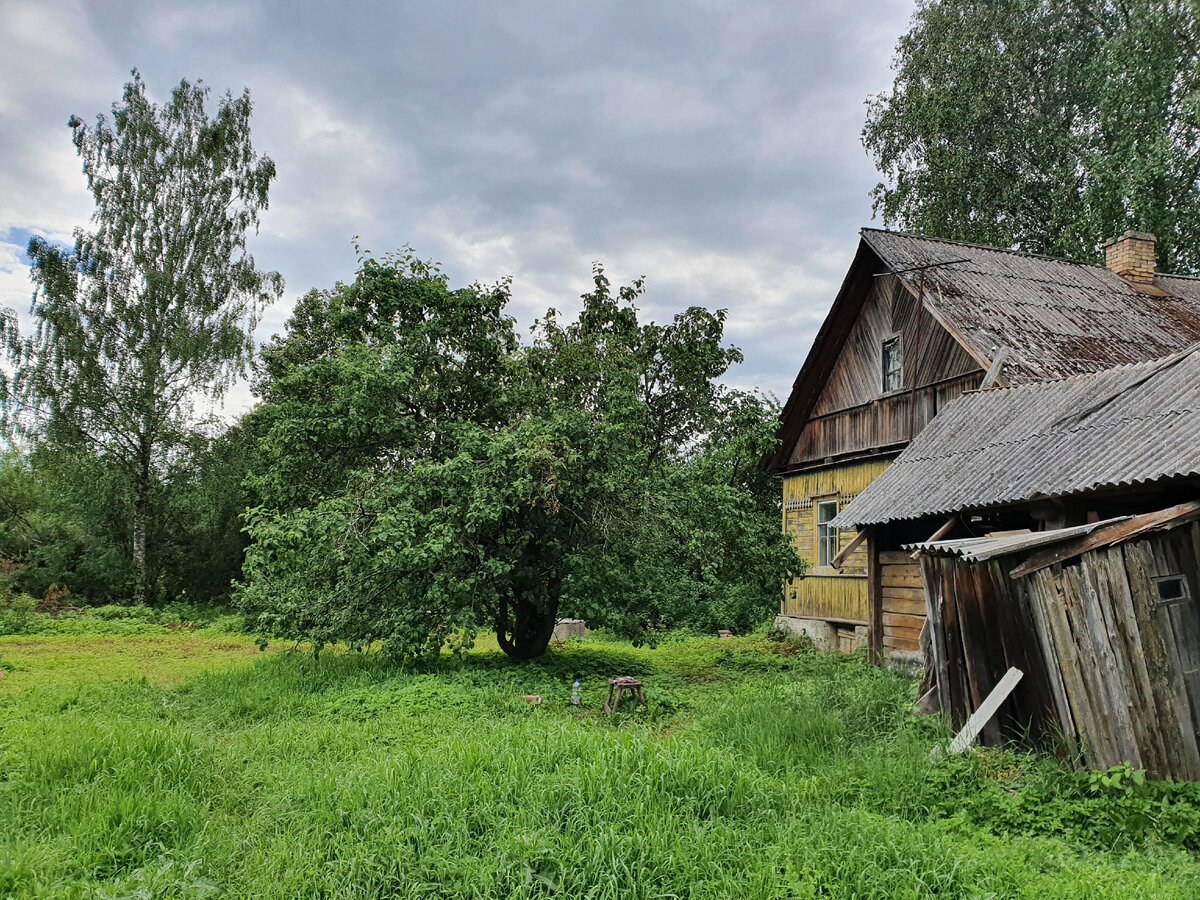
<point>823,634</point>
<point>569,628</point>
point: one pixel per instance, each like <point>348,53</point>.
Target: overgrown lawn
<point>187,765</point>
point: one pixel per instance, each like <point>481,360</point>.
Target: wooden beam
<point>840,560</point>
<point>874,596</point>
<point>1124,530</point>
<point>992,377</point>
<point>987,709</point>
<point>972,351</point>
<point>938,535</point>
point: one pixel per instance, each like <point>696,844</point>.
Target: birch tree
<point>1048,125</point>
<point>153,308</point>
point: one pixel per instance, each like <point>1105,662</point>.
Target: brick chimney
<point>1131,256</point>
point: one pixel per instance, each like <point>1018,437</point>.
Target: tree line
<point>412,473</point>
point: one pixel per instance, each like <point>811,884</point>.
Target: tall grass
<point>752,773</point>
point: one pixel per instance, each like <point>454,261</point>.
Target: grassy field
<point>186,764</point>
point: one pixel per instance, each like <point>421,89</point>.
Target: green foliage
<point>1049,125</point>
<point>752,773</point>
<point>65,520</point>
<point>199,543</point>
<point>1119,809</point>
<point>155,307</point>
<point>16,612</point>
<point>19,614</point>
<point>425,478</point>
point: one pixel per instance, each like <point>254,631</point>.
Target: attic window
<point>1172,589</point>
<point>891,365</point>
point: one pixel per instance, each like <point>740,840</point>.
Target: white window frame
<point>827,535</point>
<point>898,370</point>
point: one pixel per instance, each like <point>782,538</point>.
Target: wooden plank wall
<point>903,601</point>
<point>1110,669</point>
<point>882,422</point>
<point>890,310</point>
<point>833,598</point>
<point>1126,665</point>
<point>824,593</point>
<point>979,630</point>
<point>851,413</point>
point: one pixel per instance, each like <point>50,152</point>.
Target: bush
<point>17,611</point>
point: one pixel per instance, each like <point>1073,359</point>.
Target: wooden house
<point>1069,514</point>
<point>918,322</point>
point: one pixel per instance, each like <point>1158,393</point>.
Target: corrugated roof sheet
<point>1123,426</point>
<point>1056,318</point>
<point>978,549</point>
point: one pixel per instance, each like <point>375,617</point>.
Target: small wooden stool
<point>620,686</point>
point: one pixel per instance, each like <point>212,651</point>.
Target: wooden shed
<point>1104,621</point>
<point>1053,547</point>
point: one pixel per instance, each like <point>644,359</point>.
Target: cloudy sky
<point>712,147</point>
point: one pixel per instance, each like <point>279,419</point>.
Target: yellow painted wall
<point>824,593</point>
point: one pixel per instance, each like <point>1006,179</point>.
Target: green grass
<point>181,764</point>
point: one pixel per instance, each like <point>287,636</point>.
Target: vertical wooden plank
<point>1185,621</point>
<point>1070,658</point>
<point>1172,557</point>
<point>1158,745</point>
<point>967,626</point>
<point>1031,706</point>
<point>1112,673</point>
<point>1161,656</point>
<point>1110,740</point>
<point>1025,589</point>
<point>957,694</point>
<point>963,669</point>
<point>874,597</point>
<point>931,578</point>
<point>985,656</point>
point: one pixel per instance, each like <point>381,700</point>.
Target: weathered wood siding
<point>903,602</point>
<point>852,414</point>
<point>1109,666</point>
<point>886,422</point>
<point>1128,664</point>
<point>824,593</point>
<point>980,628</point>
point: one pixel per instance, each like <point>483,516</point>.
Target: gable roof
<point>1125,426</point>
<point>1047,318</point>
<point>1054,318</point>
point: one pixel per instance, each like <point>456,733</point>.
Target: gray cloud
<point>710,146</point>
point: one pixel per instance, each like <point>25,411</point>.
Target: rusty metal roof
<point>1054,318</point>
<point>1124,426</point>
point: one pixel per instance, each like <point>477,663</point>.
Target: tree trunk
<point>141,504</point>
<point>523,630</point>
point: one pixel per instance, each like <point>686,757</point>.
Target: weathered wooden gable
<point>852,414</point>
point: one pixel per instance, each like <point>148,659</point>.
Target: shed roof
<point>1124,426</point>
<point>1066,543</point>
<point>979,549</point>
